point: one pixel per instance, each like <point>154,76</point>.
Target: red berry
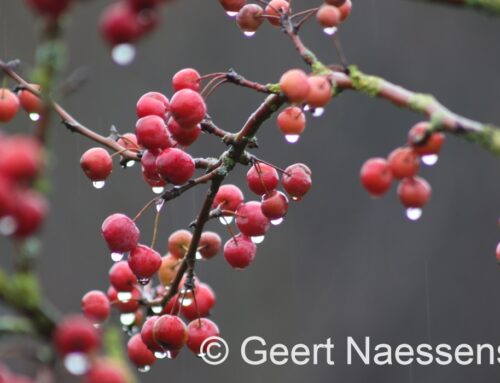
<point>152,133</point>
<point>229,197</point>
<point>432,145</point>
<point>147,334</point>
<point>144,263</point>
<point>97,164</point>
<point>186,79</point>
<point>128,141</point>
<point>345,10</point>
<point>9,105</point>
<point>188,107</point>
<point>170,332</point>
<point>103,372</point>
<point>198,332</point>
<point>120,232</point>
<point>183,136</point>
<point>175,166</point>
<point>275,9</point>
<point>262,178</point>
<point>210,244</point>
<point>120,24</point>
<point>414,192</point>
<point>275,205</point>
<point>205,301</point>
<point>320,91</point>
<point>232,5</point>
<point>168,269</point>
<point>403,162</point>
<point>295,85</point>
<point>297,181</point>
<point>152,104</point>
<point>138,352</point>
<point>52,8</point>
<point>178,243</point>
<point>29,213</point>
<point>128,305</point>
<point>250,219</point>
<point>376,176</point>
<point>328,16</point>
<point>149,169</point>
<point>250,18</point>
<point>76,334</point>
<point>95,306</point>
<point>20,158</point>
<point>121,277</point>
<point>30,102</point>
<point>240,251</point>
<point>292,121</point>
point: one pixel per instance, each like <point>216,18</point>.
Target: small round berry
<point>414,192</point>
<point>152,133</point>
<point>186,79</point>
<point>30,212</point>
<point>250,219</point>
<point>120,233</point>
<point>76,334</point>
<point>121,277</point>
<point>232,5</point>
<point>29,102</point>
<point>198,332</point>
<point>175,166</point>
<point>210,244</point>
<point>9,105</point>
<point>120,24</point>
<point>129,305</point>
<point>149,169</point>
<point>297,181</point>
<point>138,352</point>
<point>292,121</point>
<point>20,158</point>
<point>96,306</point>
<point>229,197</point>
<point>240,251</point>
<point>345,10</point>
<point>262,178</point>
<point>376,176</point>
<point>183,136</point>
<point>144,263</point>
<point>403,162</point>
<point>328,16</point>
<point>129,141</point>
<point>97,164</point>
<point>152,104</point>
<point>178,243</point>
<point>103,372</point>
<point>147,334</point>
<point>250,18</point>
<point>430,145</point>
<point>52,8</point>
<point>170,332</point>
<point>188,107</point>
<point>168,269</point>
<point>320,91</point>
<point>295,85</point>
<point>275,9</point>
<point>275,205</point>
<point>205,301</point>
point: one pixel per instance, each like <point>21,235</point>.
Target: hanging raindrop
<point>156,309</point>
<point>330,31</point>
<point>127,319</point>
<point>99,184</point>
<point>160,355</point>
<point>8,225</point>
<point>159,204</point>
<point>130,163</point>
<point>158,189</point>
<point>144,369</point>
<point>414,213</point>
<point>318,112</point>
<point>117,257</point>
<point>277,222</point>
<point>34,117</point>
<point>430,159</point>
<point>123,54</point>
<point>231,14</point>
<point>76,363</point>
<point>292,138</point>
<point>143,281</point>
<point>258,239</point>
<point>249,33</point>
<point>226,220</point>
<point>124,296</point>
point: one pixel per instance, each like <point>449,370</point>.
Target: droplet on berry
<point>34,117</point>
<point>292,138</point>
<point>277,222</point>
<point>414,213</point>
<point>127,319</point>
<point>77,363</point>
<point>430,159</point>
<point>117,257</point>
<point>99,184</point>
<point>144,369</point>
<point>258,240</point>
<point>123,54</point>
<point>318,112</point>
<point>330,31</point>
<point>124,296</point>
<point>158,189</point>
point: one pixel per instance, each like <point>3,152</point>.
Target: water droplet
<point>198,255</point>
<point>292,138</point>
<point>318,112</point>
<point>231,14</point>
<point>159,204</point>
<point>130,163</point>
<point>430,159</point>
<point>330,31</point>
<point>158,189</point>
<point>143,281</point>
<point>8,225</point>
<point>160,355</point>
<point>277,222</point>
<point>307,108</point>
<point>124,296</point>
<point>187,301</point>
<point>99,184</point>
<point>123,54</point>
<point>227,220</point>
<point>156,309</point>
<point>414,213</point>
<point>117,257</point>
<point>258,239</point>
<point>296,199</point>
<point>34,117</point>
<point>96,325</point>
<point>144,369</point>
<point>169,355</point>
<point>127,319</point>
<point>76,363</point>
<point>249,33</point>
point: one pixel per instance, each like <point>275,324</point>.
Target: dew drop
<point>159,204</point>
<point>292,138</point>
<point>124,296</point>
<point>158,189</point>
<point>160,355</point>
<point>413,213</point>
<point>127,319</point>
<point>99,184</point>
<point>330,31</point>
<point>430,159</point>
<point>144,369</point>
<point>226,220</point>
<point>34,117</point>
<point>258,239</point>
<point>296,199</point>
<point>318,112</point>
<point>277,222</point>
<point>307,108</point>
<point>156,309</point>
<point>249,33</point>
<point>123,54</point>
<point>117,257</point>
<point>198,255</point>
<point>168,354</point>
<point>76,363</point>
<point>143,281</point>
<point>231,14</point>
<point>187,301</point>
<point>8,225</point>
<point>130,163</point>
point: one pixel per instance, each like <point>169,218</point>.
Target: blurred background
<point>342,264</point>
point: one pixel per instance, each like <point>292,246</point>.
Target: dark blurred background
<point>342,264</point>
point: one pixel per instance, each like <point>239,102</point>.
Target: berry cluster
<point>403,164</point>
